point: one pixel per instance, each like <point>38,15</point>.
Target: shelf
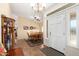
<point>7,32</point>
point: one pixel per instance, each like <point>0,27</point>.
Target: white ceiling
<point>24,9</point>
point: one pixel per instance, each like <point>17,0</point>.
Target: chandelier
<point>38,6</point>
<point>38,9</point>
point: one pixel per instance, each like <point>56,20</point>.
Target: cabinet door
<point>7,32</point>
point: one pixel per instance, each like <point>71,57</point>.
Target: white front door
<point>57,31</point>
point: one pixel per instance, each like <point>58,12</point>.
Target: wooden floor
<point>15,52</point>
<point>29,51</point>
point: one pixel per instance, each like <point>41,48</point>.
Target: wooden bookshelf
<point>7,25</point>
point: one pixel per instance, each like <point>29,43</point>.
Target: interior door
<point>57,31</point>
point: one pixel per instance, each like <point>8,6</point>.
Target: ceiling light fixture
<point>38,9</point>
<point>38,6</point>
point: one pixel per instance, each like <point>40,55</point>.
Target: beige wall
<point>5,10</point>
<point>21,21</point>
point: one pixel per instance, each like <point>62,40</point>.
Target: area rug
<point>48,51</point>
<point>33,43</point>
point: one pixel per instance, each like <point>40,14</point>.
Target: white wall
<point>72,50</point>
<point>78,26</point>
<point>55,7</point>
<point>5,10</point>
<point>44,30</point>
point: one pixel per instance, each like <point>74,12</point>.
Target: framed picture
<point>25,27</point>
<point>31,27</point>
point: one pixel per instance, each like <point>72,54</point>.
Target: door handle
<point>50,33</point>
<point>63,33</point>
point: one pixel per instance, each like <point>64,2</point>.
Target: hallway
<point>29,51</point>
<point>55,24</point>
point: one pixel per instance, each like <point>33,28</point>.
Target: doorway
<point>57,31</point>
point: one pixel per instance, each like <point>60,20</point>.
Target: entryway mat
<point>48,51</point>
